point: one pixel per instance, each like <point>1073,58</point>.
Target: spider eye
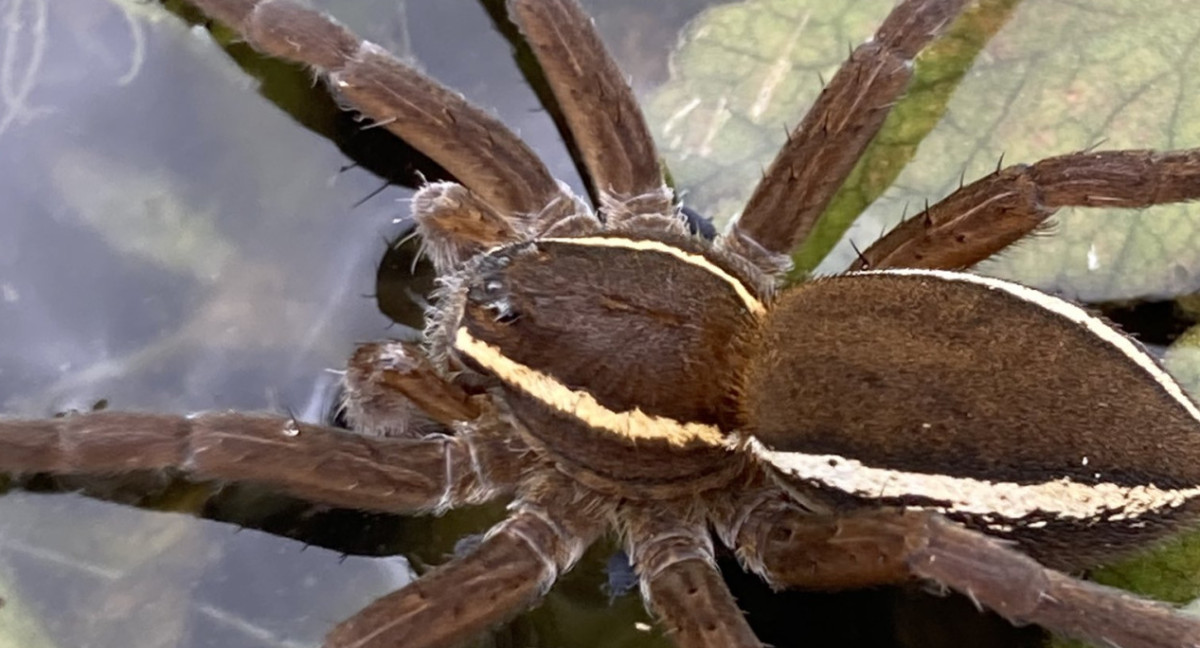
<point>490,291</point>
<point>490,295</point>
<point>503,312</point>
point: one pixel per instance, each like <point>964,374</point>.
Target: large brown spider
<point>661,448</point>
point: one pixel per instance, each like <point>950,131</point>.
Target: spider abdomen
<point>1007,409</point>
<point>626,380</point>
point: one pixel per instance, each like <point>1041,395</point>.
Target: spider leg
<point>517,561</point>
<point>991,213</point>
<point>600,110</point>
<point>790,547</point>
<point>321,464</point>
<point>476,148</point>
<point>1003,579</point>
<point>681,583</point>
<point>822,150</point>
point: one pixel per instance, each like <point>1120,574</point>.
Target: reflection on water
<point>172,579</point>
<point>173,242</point>
<point>180,244</point>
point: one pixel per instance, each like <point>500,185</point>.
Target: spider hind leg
<point>790,547</point>
<point>982,218</point>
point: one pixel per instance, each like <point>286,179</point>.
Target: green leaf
<point>939,69</point>
<point>744,74</point>
<point>741,78</point>
<point>1058,77</point>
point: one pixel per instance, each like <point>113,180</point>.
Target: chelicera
<point>613,372</point>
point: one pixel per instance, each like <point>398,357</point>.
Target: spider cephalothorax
<point>615,373</point>
<point>602,368</point>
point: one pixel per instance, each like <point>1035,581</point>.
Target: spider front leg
<point>473,146</point>
<point>603,122</point>
<point>984,217</point>
<point>515,564</point>
<point>321,464</point>
<point>504,180</point>
<point>602,115</point>
<point>790,547</point>
<point>392,391</point>
<point>386,385</point>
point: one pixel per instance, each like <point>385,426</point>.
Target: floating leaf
<point>741,78</point>
<point>1063,77</point>
<point>1060,77</point>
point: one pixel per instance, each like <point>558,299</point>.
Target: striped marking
<point>751,302</point>
<point>1059,497</point>
<point>634,424</point>
<point>1072,312</point>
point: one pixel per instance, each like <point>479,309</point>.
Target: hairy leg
<point>999,209</point>
<point>321,464</point>
<point>456,225</point>
<point>393,389</point>
<point>601,112</point>
<point>512,568</point>
<point>478,150</point>
<point>790,547</point>
<point>823,149</point>
<point>681,584</point>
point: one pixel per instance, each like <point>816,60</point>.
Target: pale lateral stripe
<point>634,424</point>
<point>1059,497</point>
<point>639,245</point>
<point>1072,312</point>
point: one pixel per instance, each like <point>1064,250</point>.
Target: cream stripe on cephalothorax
<point>1059,497</point>
<point>752,303</point>
<point>630,424</point>
<point>634,424</point>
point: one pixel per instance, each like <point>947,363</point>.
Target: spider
<point>614,372</point>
